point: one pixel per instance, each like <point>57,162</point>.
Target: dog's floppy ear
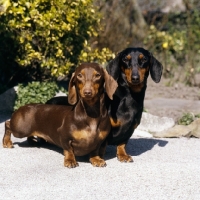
<point>113,67</point>
<point>110,84</point>
<point>155,69</point>
<point>72,95</point>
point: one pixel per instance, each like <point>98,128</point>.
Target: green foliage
<point>47,36</point>
<point>101,56</point>
<point>187,118</point>
<point>197,116</point>
<point>178,45</point>
<point>36,92</point>
<point>51,33</point>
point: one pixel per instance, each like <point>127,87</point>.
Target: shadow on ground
<point>135,147</point>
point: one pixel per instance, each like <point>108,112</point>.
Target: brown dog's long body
<point>79,128</point>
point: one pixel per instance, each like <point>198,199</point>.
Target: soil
<point>172,101</point>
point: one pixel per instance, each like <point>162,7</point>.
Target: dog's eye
<point>79,75</point>
<point>144,59</point>
<point>97,75</point>
<point>125,59</point>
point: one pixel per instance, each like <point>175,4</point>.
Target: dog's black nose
<point>135,78</point>
<point>88,92</point>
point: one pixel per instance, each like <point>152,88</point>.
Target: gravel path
<point>162,169</point>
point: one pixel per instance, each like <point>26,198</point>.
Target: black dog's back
<point>61,100</point>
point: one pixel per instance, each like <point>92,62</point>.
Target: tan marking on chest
<point>115,122</point>
<point>82,134</point>
<point>103,134</point>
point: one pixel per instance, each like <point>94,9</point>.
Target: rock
<point>140,133</point>
<point>7,100</point>
<point>151,123</point>
<point>181,131</point>
<point>195,128</point>
<point>176,131</point>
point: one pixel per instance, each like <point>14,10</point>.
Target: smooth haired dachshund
<point>79,128</point>
<point>130,69</point>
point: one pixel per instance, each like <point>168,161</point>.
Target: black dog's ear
<point>110,84</point>
<point>113,67</point>
<point>72,95</point>
<point>155,69</point>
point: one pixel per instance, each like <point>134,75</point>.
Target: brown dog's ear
<point>72,95</point>
<point>110,84</point>
<point>155,69</point>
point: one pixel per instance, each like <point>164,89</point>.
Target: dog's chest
<point>90,129</point>
<point>87,139</point>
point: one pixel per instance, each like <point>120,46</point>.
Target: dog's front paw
<point>124,158</point>
<point>71,163</point>
<point>97,162</point>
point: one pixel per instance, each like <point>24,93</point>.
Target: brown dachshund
<point>130,69</point>
<point>79,128</point>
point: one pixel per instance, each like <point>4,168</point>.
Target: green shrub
<point>36,92</point>
<point>48,36</point>
<point>178,45</point>
<point>186,119</point>
<point>51,33</point>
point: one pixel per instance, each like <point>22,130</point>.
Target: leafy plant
<point>197,116</point>
<point>36,92</point>
<point>47,36</point>
<point>177,44</point>
<point>186,119</point>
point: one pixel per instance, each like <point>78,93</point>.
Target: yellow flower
<point>165,45</point>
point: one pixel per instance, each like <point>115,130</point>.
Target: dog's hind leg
<point>122,156</point>
<point>7,143</point>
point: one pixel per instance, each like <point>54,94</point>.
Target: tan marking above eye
<point>81,74</point>
<point>83,71</point>
<point>128,57</point>
<point>96,74</point>
<point>141,56</point>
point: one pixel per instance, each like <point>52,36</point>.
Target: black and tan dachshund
<point>80,127</point>
<point>130,69</point>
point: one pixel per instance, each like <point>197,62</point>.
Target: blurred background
<point>44,40</point>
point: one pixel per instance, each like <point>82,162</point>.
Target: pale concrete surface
<point>162,169</point>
